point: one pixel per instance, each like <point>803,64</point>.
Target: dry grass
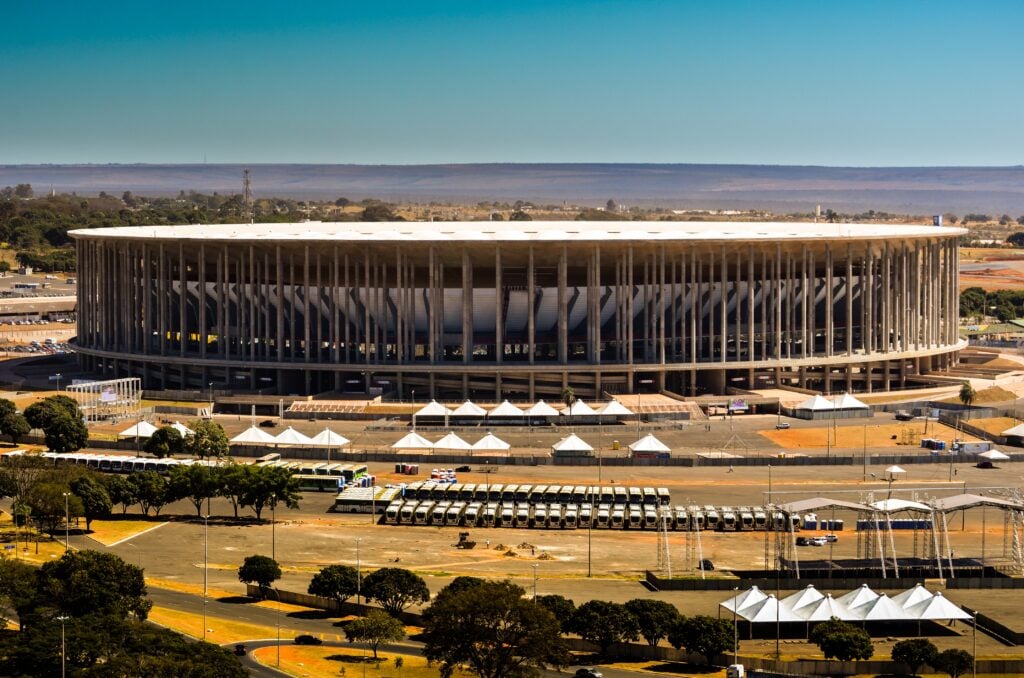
<point>108,532</point>
<point>987,396</point>
<point>907,434</point>
<point>309,660</point>
<point>219,630</point>
<point>995,425</point>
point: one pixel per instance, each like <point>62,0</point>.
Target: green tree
<point>703,635</point>
<point>375,628</point>
<point>655,618</point>
<point>196,482</point>
<point>915,653</point>
<point>7,407</point>
<point>378,212</point>
<point>165,442</point>
<point>954,662</point>
<point>841,640</point>
<point>23,191</point>
<point>560,606</point>
<point>268,486</point>
<point>460,583</point>
<point>16,581</point>
<point>395,588</point>
<point>604,623</point>
<point>233,479</point>
<point>260,570</point>
<point>120,490</point>
<point>46,501</point>
<point>1016,239</point>
<point>520,215</point>
<point>14,425</point>
<point>90,583</point>
<point>95,500</point>
<point>967,395</point>
<point>150,491</point>
<point>337,582</point>
<point>207,440</point>
<point>42,411</point>
<point>494,631</point>
<point>65,434</point>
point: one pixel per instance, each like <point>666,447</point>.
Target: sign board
<point>108,395</point>
<point>738,405</point>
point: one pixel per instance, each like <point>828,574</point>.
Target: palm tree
<point>569,398</point>
<point>967,395</point>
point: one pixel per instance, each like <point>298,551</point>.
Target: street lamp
<point>735,634</point>
<point>535,566</point>
<point>67,520</point>
<point>57,377</point>
<point>273,529</point>
<point>359,575</point>
<point>210,386</point>
<point>63,648</point>
<point>206,566</point>
<point>278,596</point>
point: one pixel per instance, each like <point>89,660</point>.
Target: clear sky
<point>894,82</point>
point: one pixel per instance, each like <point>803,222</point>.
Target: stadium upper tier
<point>506,309</point>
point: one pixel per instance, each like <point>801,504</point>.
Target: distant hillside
<point>781,189</point>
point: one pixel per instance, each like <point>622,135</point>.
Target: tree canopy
<point>337,582</point>
<point>494,631</point>
<point>166,441</point>
<point>395,588</point>
<point>655,618</point>
<point>841,640</point>
<point>915,653</point>
<point>260,570</point>
<point>954,662</point>
<point>703,635</point>
<point>207,440</point>
<point>604,623</point>
<point>375,628</point>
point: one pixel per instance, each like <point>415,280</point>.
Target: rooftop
<point>520,231</point>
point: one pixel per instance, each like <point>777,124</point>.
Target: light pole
<point>273,530</point>
<point>67,521</point>
<point>769,483</point>
<point>63,648</point>
<point>359,574</point>
<point>535,566</point>
<point>206,566</point>
<point>210,386</point>
<point>278,596</point>
<point>57,377</point>
<point>735,634</point>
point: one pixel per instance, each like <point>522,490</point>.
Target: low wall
<point>791,583</point>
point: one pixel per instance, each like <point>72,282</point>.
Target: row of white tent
<point>250,436</point>
<point>861,604</point>
<point>539,409</point>
<point>820,403</point>
<point>491,442</point>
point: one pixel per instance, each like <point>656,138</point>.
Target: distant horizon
<point>553,163</point>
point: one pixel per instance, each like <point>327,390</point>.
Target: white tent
<point>823,610</point>
<point>253,436</point>
<point>182,429</point>
<point>290,436</point>
<point>912,596</point>
<point>744,599</point>
<point>469,409</point>
<point>649,444</point>
<point>579,409</point>
<point>143,429</point>
<point>848,402</point>
<point>491,442</point>
<point>936,607</point>
<point>816,404</point>
<point>328,438</point>
<point>452,442</point>
<point>893,505</point>
<point>805,596</point>
<point>1017,430</point>
<point>506,409</point>
<point>858,596</point>
<point>615,409</point>
<point>894,470</point>
<point>413,441</point>
<point>541,409</point>
<point>881,608</point>
<point>768,610</point>
<point>572,443</point>
<point>433,409</point>
<point>993,455</point>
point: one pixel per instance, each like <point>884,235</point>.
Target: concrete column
<point>563,318</point>
<point>599,293</point>
<point>467,308</point>
<point>279,301</point>
<point>723,307</point>
<point>661,307</point>
<point>531,298</point>
<point>829,301</point>
<point>182,301</point>
<point>201,301</point>
<point>499,315</point>
<point>307,309</point>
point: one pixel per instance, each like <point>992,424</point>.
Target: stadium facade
<point>518,309</point>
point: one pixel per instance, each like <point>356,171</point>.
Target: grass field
<point>306,660</point>
<point>995,425</point>
<point>108,532</point>
<point>219,630</point>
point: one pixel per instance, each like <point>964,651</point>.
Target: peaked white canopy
<point>433,409</point>
<point>506,409</point>
<point>253,435</point>
<point>491,442</point>
<point>328,438</point>
<point>936,607</point>
<point>744,599</point>
<point>993,455</point>
<point>579,409</point>
<point>768,609</point>
<point>816,404</point>
<point>541,409</point>
<point>858,596</point>
<point>848,402</point>
<point>891,470</point>
<point>881,608</point>
<point>413,441</point>
<point>290,436</point>
<point>182,429</point>
<point>1017,430</point>
<point>649,444</point>
<point>823,610</point>
<point>805,596</point>
<point>572,443</point>
<point>143,429</point>
<point>452,442</point>
<point>893,505</point>
<point>469,409</point>
<point>912,596</point>
<point>614,409</point>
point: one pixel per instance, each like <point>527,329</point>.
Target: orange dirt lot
<point>903,434</point>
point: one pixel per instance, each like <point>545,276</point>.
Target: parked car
<point>240,650</point>
<point>306,639</point>
<point>707,565</point>
<point>818,541</point>
<point>803,541</point>
<point>782,425</point>
<point>589,672</point>
<point>833,538</point>
<point>268,423</point>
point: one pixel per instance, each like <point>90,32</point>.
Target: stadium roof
<point>531,231</point>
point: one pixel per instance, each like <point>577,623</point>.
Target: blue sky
<point>382,82</point>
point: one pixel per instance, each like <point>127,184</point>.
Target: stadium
<point>518,309</point>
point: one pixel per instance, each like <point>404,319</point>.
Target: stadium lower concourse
<point>518,310</point>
